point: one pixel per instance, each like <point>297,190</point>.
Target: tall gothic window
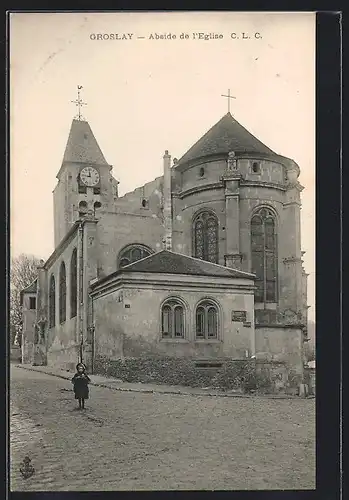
<point>52,303</point>
<point>62,294</point>
<point>132,253</point>
<point>172,319</point>
<point>264,256</point>
<point>207,320</point>
<point>73,284</point>
<point>205,230</point>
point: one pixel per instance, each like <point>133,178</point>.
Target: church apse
<point>229,200</point>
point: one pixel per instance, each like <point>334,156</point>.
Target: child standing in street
<point>80,381</point>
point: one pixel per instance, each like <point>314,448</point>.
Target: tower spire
<point>79,103</point>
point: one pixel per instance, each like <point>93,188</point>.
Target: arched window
<point>62,294</point>
<point>73,284</point>
<point>172,319</point>
<point>96,207</point>
<point>207,320</point>
<point>264,257</point>
<point>52,303</point>
<point>82,209</point>
<point>132,253</point>
<point>205,244</point>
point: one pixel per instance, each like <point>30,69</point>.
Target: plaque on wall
<point>238,316</point>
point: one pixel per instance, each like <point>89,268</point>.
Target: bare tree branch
<point>22,274</point>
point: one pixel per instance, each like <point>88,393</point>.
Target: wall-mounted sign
<point>238,316</point>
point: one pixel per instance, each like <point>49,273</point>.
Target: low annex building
<point>172,304</point>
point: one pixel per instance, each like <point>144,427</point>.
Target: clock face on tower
<point>89,176</point>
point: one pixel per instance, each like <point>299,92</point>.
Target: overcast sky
<point>146,95</point>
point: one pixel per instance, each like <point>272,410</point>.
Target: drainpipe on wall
<point>167,202</point>
<point>92,333</point>
<point>80,322</point>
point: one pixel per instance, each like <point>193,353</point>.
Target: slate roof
<point>82,146</point>
<point>31,288</point>
<point>168,262</point>
<point>225,136</point>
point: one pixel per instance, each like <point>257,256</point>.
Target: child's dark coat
<point>80,381</point>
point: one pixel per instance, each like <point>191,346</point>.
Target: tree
<point>22,274</point>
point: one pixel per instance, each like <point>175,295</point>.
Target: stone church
<point>203,263</point>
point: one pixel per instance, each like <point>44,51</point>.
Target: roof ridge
<point>32,283</point>
<point>140,260</point>
<point>200,261</point>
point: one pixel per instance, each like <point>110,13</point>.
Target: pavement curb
<point>159,391</point>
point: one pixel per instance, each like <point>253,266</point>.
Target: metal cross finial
<point>78,102</point>
<point>229,97</point>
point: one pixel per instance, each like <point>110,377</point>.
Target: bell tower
<point>85,182</point>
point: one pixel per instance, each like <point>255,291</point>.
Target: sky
<point>146,94</point>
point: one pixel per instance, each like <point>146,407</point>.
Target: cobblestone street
<point>138,441</point>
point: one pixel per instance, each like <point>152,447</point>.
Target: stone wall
<point>64,357</point>
<point>62,340</point>
<point>284,344</point>
<point>267,188</point>
<point>128,320</point>
<point>115,231</point>
<point>203,173</point>
<point>184,212</point>
<point>224,374</point>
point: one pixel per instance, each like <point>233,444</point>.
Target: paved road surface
<point>135,441</point>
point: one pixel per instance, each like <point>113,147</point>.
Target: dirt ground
<point>135,441</point>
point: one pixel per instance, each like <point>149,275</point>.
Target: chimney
<point>167,202</point>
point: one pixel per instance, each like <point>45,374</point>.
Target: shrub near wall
<point>164,370</point>
<point>240,375</point>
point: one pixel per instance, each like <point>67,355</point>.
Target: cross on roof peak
<point>79,103</point>
<point>228,96</point>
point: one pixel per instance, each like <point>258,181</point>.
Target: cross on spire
<point>79,103</point>
<point>228,97</point>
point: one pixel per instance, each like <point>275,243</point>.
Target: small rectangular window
<point>82,189</point>
<point>97,190</point>
<point>208,364</point>
<point>32,302</point>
